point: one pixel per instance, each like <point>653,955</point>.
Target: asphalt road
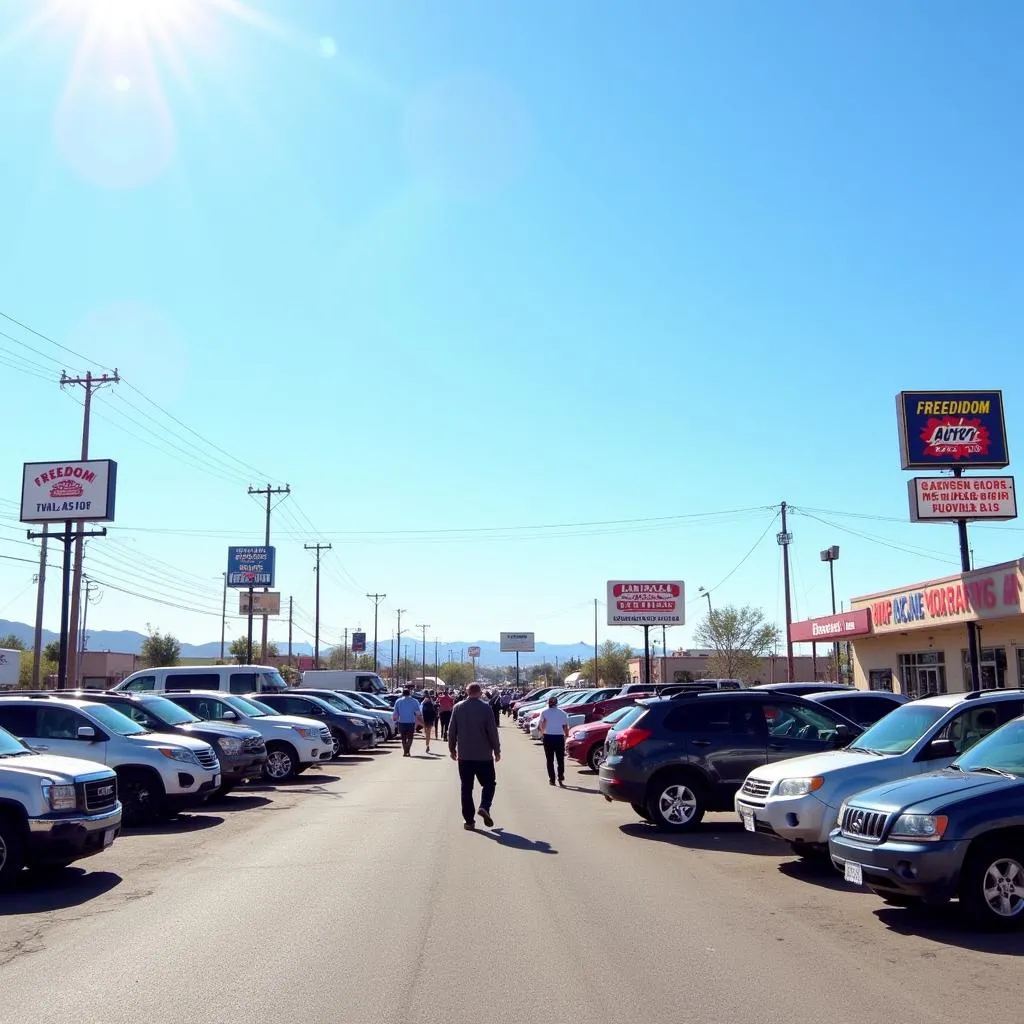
<point>354,895</point>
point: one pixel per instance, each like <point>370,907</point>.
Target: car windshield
<point>337,704</point>
<point>373,701</point>
<point>247,706</point>
<point>113,720</point>
<point>572,698</point>
<point>1002,750</point>
<point>617,716</point>
<point>360,698</point>
<point>900,729</point>
<point>169,712</point>
<point>11,747</point>
<point>272,681</point>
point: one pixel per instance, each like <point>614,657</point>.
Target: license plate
<point>748,820</point>
<point>216,780</point>
<point>108,836</point>
<point>853,873</point>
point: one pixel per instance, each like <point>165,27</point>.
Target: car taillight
<point>631,737</point>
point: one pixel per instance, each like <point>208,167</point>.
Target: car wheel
<point>12,850</point>
<point>641,810</point>
<point>142,798</point>
<point>281,763</point>
<point>992,887</point>
<point>595,757</point>
<point>676,804</point>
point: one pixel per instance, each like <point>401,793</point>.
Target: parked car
<point>349,732</point>
<point>540,693</point>
<point>240,751</point>
<point>956,833</point>
<point>798,801</point>
<point>685,755</point>
<point>158,773</point>
<point>586,742</point>
<point>801,689</point>
<point>865,707</point>
<point>53,810</point>
<point>351,703</point>
<point>343,679</point>
<point>293,744</point>
<point>227,678</point>
<point>601,709</point>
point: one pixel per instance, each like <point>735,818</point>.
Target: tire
<point>676,803</point>
<point>992,886</point>
<point>281,764</point>
<point>12,850</point>
<point>341,744</point>
<point>142,797</point>
<point>595,757</point>
<point>641,810</point>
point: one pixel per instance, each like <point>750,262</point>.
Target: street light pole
<point>223,615</point>
<point>831,555</point>
<point>707,594</point>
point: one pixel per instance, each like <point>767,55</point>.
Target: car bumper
<point>578,751</point>
<point>194,789</point>
<point>54,839</point>
<point>930,871</point>
<point>629,791</point>
<point>239,767</point>
<point>797,819</point>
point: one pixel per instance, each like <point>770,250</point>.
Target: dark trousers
<point>554,750</point>
<point>446,717</point>
<point>407,732</point>
<point>476,771</point>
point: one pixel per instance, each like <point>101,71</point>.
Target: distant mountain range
<point>129,642</point>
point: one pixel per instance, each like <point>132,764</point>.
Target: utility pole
<point>269,492</point>
<point>318,547</point>
<point>785,538</point>
<point>424,628</point>
<point>596,673</point>
<point>376,599</point>
<point>436,666</point>
<point>91,384</point>
<point>223,615</point>
<point>37,645</point>
<point>398,644</point>
<point>90,587</point>
<point>291,618</point>
<point>344,653</point>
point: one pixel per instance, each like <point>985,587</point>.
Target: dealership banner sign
<point>359,643</point>
<point>473,652</point>
<point>646,603</point>
<point>831,627</point>
<point>937,499</point>
<point>523,642</point>
<point>251,567</point>
<point>947,429</point>
<point>53,492</point>
<point>262,603</point>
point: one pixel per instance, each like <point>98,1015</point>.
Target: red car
<point>586,742</point>
<point>603,708</point>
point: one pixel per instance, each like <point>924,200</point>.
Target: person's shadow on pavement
<point>516,842</point>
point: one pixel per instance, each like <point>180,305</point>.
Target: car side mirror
<point>86,732</point>
<point>844,735</point>
<point>940,749</point>
<point>230,716</point>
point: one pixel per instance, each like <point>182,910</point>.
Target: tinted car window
<point>242,682</point>
<point>795,721</point>
<point>713,716</point>
<point>192,681</point>
<point>19,721</point>
<point>631,717</point>
<point>974,724</point>
<point>141,684</point>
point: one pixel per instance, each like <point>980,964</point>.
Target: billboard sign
<point>831,627</point>
<point>646,603</point>
<point>251,567</point>
<point>473,652</point>
<point>54,492</point>
<point>952,428</point>
<point>522,642</point>
<point>938,499</point>
<point>358,643</point>
<point>262,603</point>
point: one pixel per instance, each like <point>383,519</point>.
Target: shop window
<point>880,679</point>
<point>993,668</point>
<point>923,673</point>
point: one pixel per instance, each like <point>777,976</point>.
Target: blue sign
<point>358,643</point>
<point>250,567</point>
<point>947,429</point>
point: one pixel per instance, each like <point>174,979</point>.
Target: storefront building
<point>917,642</point>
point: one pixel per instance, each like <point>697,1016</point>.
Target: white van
<point>226,678</point>
<point>343,679</point>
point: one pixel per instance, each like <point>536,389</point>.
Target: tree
<point>11,643</point>
<point>571,665</point>
<point>739,637</point>
<point>612,665</point>
<point>290,674</point>
<point>547,672</point>
<point>51,652</point>
<point>160,649</point>
<point>457,673</point>
<point>239,649</point>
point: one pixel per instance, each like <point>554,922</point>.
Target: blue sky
<point>460,266</point>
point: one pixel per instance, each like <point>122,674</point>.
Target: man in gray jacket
<point>473,742</point>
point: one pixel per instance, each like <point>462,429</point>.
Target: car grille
<point>98,796</point>
<point>253,745</point>
<point>756,788</point>
<point>325,735</point>
<point>208,759</point>
<point>858,823</point>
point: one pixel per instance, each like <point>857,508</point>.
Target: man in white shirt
<point>554,728</point>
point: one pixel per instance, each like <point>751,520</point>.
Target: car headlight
<point>799,787</point>
<point>59,796</point>
<point>229,745</point>
<point>927,827</point>
<point>306,733</point>
<point>179,754</point>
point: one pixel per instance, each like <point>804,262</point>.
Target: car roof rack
<point>975,694</point>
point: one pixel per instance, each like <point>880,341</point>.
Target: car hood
<point>815,764</point>
<point>170,739</point>
<point>56,767</point>
<point>591,729</point>
<point>289,721</point>
<point>235,732</point>
<point>932,791</point>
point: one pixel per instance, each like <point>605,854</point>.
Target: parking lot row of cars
<point>920,801</point>
<point>77,766</point>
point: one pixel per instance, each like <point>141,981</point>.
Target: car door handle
<point>39,746</point>
<point>702,743</point>
<point>776,746</point>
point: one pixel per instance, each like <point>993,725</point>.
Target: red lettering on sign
<point>1011,589</point>
<point>881,612</point>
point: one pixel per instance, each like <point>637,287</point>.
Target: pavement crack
<point>32,943</point>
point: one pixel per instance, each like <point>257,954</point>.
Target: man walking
<point>554,728</point>
<point>473,741</point>
<point>407,716</point>
<point>444,707</point>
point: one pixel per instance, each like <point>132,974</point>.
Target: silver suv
<point>53,810</point>
<point>158,773</point>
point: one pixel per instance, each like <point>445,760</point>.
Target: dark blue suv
<point>953,833</point>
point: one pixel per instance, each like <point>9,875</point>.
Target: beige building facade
<point>917,642</point>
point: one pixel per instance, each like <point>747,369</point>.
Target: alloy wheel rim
<point>3,853</point>
<point>677,804</point>
<point>1003,887</point>
<point>278,764</point>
